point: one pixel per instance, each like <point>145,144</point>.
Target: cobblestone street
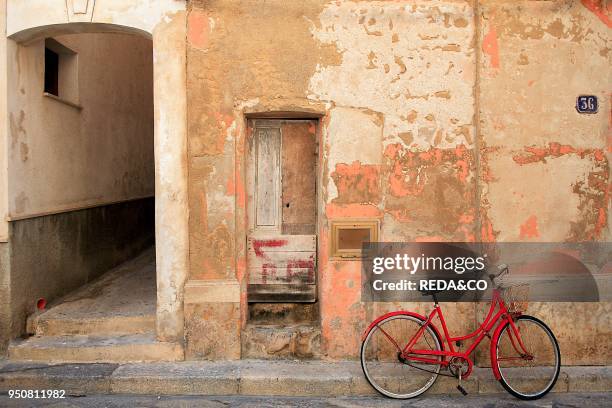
<point>590,400</point>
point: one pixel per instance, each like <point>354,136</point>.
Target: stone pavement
<point>590,400</point>
<point>252,377</point>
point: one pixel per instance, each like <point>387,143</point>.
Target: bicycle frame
<point>448,352</point>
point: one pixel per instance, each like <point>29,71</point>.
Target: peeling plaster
<point>394,86</point>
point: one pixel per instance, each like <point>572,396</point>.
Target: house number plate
<point>587,104</point>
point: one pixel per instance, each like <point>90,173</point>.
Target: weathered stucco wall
<point>226,76</point>
<point>62,157</point>
<point>360,65</point>
<point>445,120</point>
<point>441,119</point>
<point>541,56</point>
<point>545,168</point>
<point>3,125</point>
<point>414,105</point>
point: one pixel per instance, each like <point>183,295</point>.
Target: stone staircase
<point>282,331</point>
<point>111,319</point>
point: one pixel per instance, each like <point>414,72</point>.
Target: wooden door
<point>282,198</point>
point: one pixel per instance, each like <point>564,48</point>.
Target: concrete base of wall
<point>5,299</point>
<point>212,320</point>
<point>298,341</point>
<point>252,377</point>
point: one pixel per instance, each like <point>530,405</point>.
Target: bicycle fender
<point>406,313</point>
<point>493,352</point>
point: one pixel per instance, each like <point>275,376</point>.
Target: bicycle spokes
<point>528,357</point>
<point>518,345</point>
<point>388,369</point>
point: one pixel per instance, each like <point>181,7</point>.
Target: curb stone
<point>251,377</point>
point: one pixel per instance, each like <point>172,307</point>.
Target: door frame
<point>245,160</point>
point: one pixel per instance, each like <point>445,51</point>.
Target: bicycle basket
<point>516,297</point>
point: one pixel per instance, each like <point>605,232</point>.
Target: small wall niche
<point>61,73</point>
<point>348,236</point>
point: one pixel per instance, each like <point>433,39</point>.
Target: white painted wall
<point>165,22</point>
<point>62,157</point>
<point>3,126</point>
<point>27,17</point>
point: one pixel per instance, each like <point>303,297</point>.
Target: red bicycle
<point>402,353</point>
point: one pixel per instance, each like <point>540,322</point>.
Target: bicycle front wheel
<point>383,364</point>
<point>531,372</point>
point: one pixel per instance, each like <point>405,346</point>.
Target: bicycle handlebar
<point>503,269</point>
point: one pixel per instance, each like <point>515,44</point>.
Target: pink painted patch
<point>540,154</point>
<point>392,150</point>
<point>235,187</point>
<point>241,267</point>
<point>224,122</point>
<point>351,210</point>
<point>490,47</point>
<point>357,183</point>
<point>530,228</point>
<point>602,221</point>
<point>602,12</point>
<point>198,29</point>
<point>463,170</point>
<point>487,234</point>
<point>405,175</point>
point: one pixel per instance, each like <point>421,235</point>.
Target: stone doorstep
<point>251,377</point>
<point>109,325</point>
<point>297,341</point>
<point>94,349</point>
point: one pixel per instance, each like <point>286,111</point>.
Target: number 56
<point>586,104</point>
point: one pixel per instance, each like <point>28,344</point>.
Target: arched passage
<point>164,23</point>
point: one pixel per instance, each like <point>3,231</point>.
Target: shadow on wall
<point>55,254</point>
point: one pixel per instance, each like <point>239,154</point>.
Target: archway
<point>164,24</point>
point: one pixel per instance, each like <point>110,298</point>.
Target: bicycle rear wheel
<point>533,375</point>
<point>381,359</point>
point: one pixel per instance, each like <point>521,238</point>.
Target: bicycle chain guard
<point>459,365</point>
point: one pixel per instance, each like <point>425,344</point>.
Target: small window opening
<point>51,72</point>
<point>61,72</point>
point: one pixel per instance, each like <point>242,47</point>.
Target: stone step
<point>283,313</point>
<point>94,349</point>
<point>52,325</point>
<point>120,302</point>
<point>299,341</point>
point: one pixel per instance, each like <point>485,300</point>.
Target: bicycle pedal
<point>462,390</point>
